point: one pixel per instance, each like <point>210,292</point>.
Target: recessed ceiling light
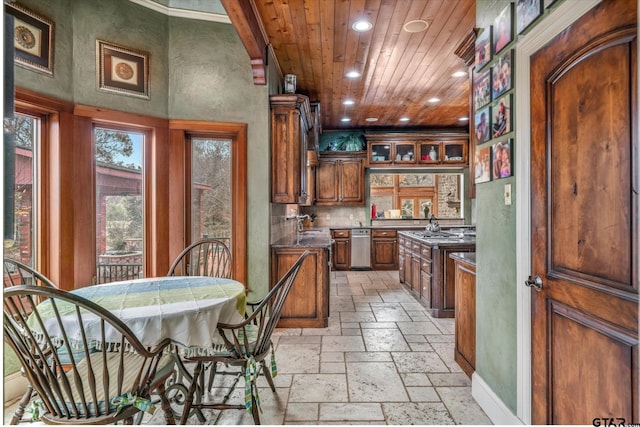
<point>415,26</point>
<point>434,99</point>
<point>463,118</point>
<point>371,119</point>
<point>459,73</point>
<point>348,102</point>
<point>353,74</point>
<point>345,119</point>
<point>362,25</point>
<point>404,119</point>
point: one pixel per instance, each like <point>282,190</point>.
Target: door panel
<point>575,338</point>
<point>352,180</point>
<point>589,185</point>
<point>584,200</point>
<point>327,181</point>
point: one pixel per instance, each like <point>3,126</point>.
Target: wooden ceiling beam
<point>245,19</point>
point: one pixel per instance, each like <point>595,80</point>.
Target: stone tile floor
<point>381,360</point>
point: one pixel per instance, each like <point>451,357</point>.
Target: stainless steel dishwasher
<point>360,248</point>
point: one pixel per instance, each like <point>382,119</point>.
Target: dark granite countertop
<point>398,227</point>
<point>465,257</point>
<point>441,238</point>
<point>314,238</point>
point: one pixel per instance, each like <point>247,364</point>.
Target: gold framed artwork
<point>122,70</point>
<point>33,39</point>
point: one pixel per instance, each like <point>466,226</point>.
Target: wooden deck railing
<point>113,272</point>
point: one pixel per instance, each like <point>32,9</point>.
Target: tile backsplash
<point>336,216</point>
<point>280,225</point>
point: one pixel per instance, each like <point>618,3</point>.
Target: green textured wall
<point>199,71</point>
<point>496,347</point>
<point>210,79</point>
<point>61,84</point>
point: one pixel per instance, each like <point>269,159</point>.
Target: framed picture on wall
<point>122,70</point>
<point>527,11</point>
<point>503,29</point>
<point>32,39</point>
<point>483,48</point>
<point>482,165</point>
<point>501,116</point>
<point>502,73</point>
<point>482,88</point>
<point>482,125</point>
<point>502,162</point>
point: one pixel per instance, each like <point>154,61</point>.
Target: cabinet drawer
<point>383,233</point>
<point>426,252</point>
<point>416,247</point>
<point>426,266</point>
<point>340,233</point>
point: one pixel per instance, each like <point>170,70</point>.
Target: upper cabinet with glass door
<point>422,149</point>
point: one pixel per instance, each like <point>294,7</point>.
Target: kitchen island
<point>426,269</point>
<point>307,305</point>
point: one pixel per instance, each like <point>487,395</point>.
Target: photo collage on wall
<point>493,101</point>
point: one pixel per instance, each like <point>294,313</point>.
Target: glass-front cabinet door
<point>429,152</point>
<point>405,152</point>
<point>455,152</point>
<point>380,153</point>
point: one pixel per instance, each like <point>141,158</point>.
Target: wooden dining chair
<point>247,343</point>
<point>85,364</point>
<point>17,273</point>
<point>206,257</point>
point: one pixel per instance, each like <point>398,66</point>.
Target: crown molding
<point>183,13</point>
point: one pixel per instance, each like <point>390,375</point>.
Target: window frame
<point>180,174</point>
<point>38,209</point>
<point>147,135</point>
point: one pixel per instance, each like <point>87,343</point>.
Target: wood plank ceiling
<point>401,71</point>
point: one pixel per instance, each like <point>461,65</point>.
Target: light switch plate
<point>507,194</point>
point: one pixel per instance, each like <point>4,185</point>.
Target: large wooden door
<point>584,201</point>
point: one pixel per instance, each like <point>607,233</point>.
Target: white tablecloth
<point>185,309</point>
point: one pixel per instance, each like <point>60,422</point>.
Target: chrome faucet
<point>300,219</point>
<point>432,226</point>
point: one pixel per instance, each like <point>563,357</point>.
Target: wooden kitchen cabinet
<point>291,123</point>
<point>416,261</point>
<point>417,149</point>
<point>450,153</point>
<point>384,249</point>
<point>340,179</point>
<point>312,164</point>
<point>425,275</point>
<point>341,249</point>
<point>307,305</point>
<point>401,257</point>
<point>407,264</point>
<point>465,341</point>
<point>429,273</point>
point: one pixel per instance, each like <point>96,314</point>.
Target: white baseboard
<point>491,404</point>
<point>15,386</point>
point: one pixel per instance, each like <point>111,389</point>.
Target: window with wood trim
<point>412,192</point>
<point>119,193</point>
<point>22,148</point>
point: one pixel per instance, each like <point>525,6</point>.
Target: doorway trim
<point>557,21</point>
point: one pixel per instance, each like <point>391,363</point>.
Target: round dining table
<point>185,309</point>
